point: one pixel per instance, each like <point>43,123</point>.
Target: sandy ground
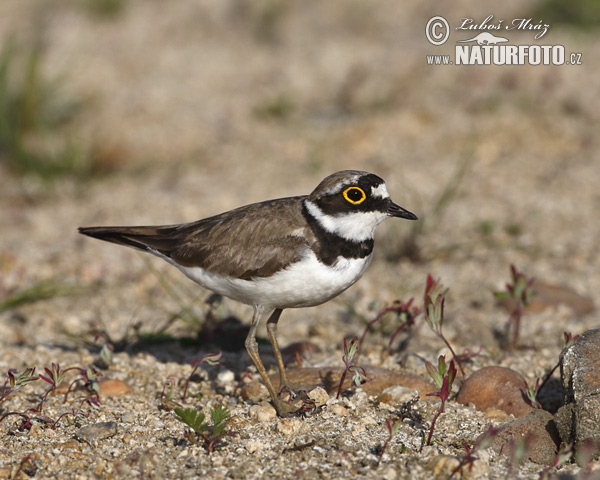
<point>204,106</point>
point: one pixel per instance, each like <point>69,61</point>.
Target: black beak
<point>397,211</point>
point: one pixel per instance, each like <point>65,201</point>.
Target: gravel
<point>198,108</point>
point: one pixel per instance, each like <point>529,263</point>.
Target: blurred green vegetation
<point>43,290</point>
<point>108,9</point>
<point>35,115</point>
<point>583,14</point>
<point>269,19</point>
<point>279,107</point>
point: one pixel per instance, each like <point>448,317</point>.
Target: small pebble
<point>226,376</point>
<point>263,413</point>
<point>319,395</point>
<point>254,391</point>
<point>113,388</point>
<point>496,416</point>
<point>442,466</point>
<point>358,429</point>
<point>338,410</point>
<point>128,418</point>
<point>367,420</point>
<point>289,426</point>
<point>237,422</point>
<point>99,468</point>
<point>91,434</point>
<point>36,431</point>
<point>397,394</point>
<point>254,445</point>
<point>389,473</point>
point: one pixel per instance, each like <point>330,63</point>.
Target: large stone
<point>578,421</point>
<point>538,432</point>
<point>495,388</point>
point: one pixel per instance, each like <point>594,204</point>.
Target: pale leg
<point>282,407</point>
<point>272,332</point>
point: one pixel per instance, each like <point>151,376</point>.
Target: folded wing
<point>248,242</point>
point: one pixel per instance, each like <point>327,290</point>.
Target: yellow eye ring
<point>355,195</point>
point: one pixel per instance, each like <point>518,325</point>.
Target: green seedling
<point>532,392</point>
<point>517,452</point>
<point>201,429</point>
<point>349,359</point>
<point>15,380</point>
<point>520,291</point>
<point>434,314</point>
<point>564,455</point>
<point>53,376</point>
<point>469,458</point>
<point>77,416</point>
<point>87,376</point>
<point>393,425</point>
<point>569,339</point>
<point>444,378</point>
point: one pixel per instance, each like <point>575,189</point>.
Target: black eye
<point>355,195</point>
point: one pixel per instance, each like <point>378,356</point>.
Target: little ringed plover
<point>284,253</point>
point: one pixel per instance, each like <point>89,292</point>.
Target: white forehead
<point>339,187</point>
<point>380,191</point>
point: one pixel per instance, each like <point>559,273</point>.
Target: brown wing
<point>244,243</point>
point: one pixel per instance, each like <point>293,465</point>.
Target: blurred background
<point>152,112</point>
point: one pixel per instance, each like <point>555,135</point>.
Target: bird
<point>291,252</point>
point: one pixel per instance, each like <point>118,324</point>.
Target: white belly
<point>303,284</point>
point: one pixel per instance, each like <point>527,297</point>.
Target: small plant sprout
<point>53,376</point>
<point>15,380</point>
<point>348,358</point>
<point>201,430</point>
<point>393,425</point>
<point>517,452</point>
<point>520,291</point>
<point>584,455</point>
<point>87,376</point>
<point>532,391</point>
<point>564,455</point>
<point>77,415</point>
<point>569,339</point>
<point>106,351</point>
<point>209,359</point>
<point>444,378</point>
<point>406,316</point>
<point>434,313</point>
<point>469,458</point>
<point>167,390</point>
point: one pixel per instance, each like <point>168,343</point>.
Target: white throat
<point>356,227</point>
